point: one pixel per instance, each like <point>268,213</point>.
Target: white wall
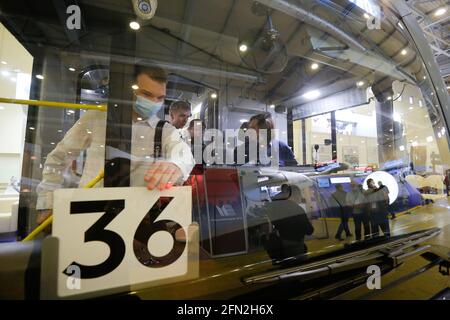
<point>14,83</point>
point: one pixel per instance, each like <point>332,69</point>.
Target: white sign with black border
<point>113,240</point>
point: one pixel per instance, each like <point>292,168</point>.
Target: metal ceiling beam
<point>440,51</point>
<point>192,69</point>
<point>308,17</point>
<point>418,38</point>
<point>437,22</point>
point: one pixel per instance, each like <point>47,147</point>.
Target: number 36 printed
<point>147,227</point>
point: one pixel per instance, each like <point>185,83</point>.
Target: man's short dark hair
<point>180,105</point>
<point>153,72</point>
<point>263,121</point>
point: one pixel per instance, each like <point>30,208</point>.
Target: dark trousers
<point>383,225</point>
<point>343,226</point>
<point>361,219</point>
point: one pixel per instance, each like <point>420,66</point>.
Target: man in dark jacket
<point>265,122</point>
<point>291,222</point>
<point>378,203</point>
<point>357,204</point>
<point>339,200</point>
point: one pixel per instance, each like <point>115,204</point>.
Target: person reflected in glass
<point>339,201</point>
<point>377,209</point>
<point>385,189</point>
<point>357,204</point>
<point>289,219</point>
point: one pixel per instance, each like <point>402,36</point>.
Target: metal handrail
<point>54,104</point>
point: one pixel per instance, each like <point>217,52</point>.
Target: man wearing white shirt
<point>180,112</point>
<point>89,133</point>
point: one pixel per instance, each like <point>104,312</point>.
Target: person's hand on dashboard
<point>162,175</point>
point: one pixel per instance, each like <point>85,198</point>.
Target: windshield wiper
<point>393,252</point>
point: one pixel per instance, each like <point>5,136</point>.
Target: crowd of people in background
<point>369,209</point>
<point>180,112</point>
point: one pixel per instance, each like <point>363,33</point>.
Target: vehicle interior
<point>351,91</point>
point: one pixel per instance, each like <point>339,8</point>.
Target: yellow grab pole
<point>49,220</point>
<point>94,181</point>
<point>54,104</point>
<point>39,228</point>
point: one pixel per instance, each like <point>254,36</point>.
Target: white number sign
<point>116,238</point>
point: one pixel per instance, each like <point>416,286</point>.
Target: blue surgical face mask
<point>146,108</point>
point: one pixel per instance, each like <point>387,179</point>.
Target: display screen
<point>323,182</point>
<point>340,180</point>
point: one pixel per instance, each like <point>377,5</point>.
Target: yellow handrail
<point>55,104</point>
<point>49,220</point>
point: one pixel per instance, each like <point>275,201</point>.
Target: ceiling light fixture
<point>312,95</point>
<point>135,25</point>
<point>440,12</point>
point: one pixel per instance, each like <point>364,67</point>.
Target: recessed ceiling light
<point>315,66</point>
<point>404,52</point>
<point>214,95</point>
<point>312,94</point>
<point>134,87</point>
<point>360,83</point>
<point>440,12</point>
<point>4,62</point>
<point>272,106</point>
<point>72,69</point>
<point>135,25</point>
<point>40,76</point>
<point>243,47</point>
